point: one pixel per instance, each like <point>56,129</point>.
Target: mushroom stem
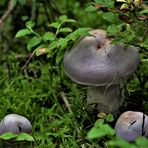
<point>107,98</point>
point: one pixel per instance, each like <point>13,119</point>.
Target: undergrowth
<point>32,79</point>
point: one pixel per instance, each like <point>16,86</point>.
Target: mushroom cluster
<point>130,125</point>
<point>15,123</point>
<point>95,62</point>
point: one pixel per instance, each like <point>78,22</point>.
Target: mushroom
<point>15,123</point>
<point>131,125</point>
<point>95,62</point>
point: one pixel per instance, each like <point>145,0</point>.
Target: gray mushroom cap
<point>15,123</point>
<point>131,125</point>
<point>94,61</point>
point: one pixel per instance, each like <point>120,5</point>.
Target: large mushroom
<point>95,62</point>
<point>15,123</point>
<point>130,125</point>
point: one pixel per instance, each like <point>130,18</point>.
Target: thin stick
<point>8,11</point>
<point>28,60</point>
<point>66,102</point>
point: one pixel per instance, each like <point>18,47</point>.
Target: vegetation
<point>34,35</point>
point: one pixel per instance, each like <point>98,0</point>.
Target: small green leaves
<point>22,32</point>
<point>54,25</point>
<point>144,11</point>
<point>111,17</point>
<point>101,131</point>
<point>90,8</point>
<point>7,136</point>
<point>30,24</point>
<point>109,118</point>
<point>33,42</point>
<point>105,3</point>
<point>24,137</point>
<point>49,36</point>
<point>64,19</point>
<point>145,43</point>
<point>15,137</point>
<point>113,29</point>
<point>121,143</point>
<point>79,32</point>
<point>65,29</point>
<point>142,142</point>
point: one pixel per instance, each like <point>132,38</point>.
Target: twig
<point>66,101</point>
<point>28,60</point>
<point>6,14</point>
<point>69,109</point>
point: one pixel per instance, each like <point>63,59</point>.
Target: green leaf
<point>24,18</point>
<point>106,3</point>
<point>144,11</point>
<point>49,36</point>
<point>33,42</point>
<point>102,130</point>
<point>77,33</point>
<point>109,118</point>
<point>124,6</point>
<point>22,32</point>
<point>53,45</point>
<point>30,24</point>
<point>113,30</point>
<point>66,29</point>
<point>62,43</point>
<point>121,143</point>
<point>142,142</point>
<point>99,122</point>
<point>145,43</point>
<point>111,17</point>
<point>59,57</point>
<point>24,137</point>
<point>63,18</point>
<point>7,136</point>
<point>90,9</point>
<point>54,25</point>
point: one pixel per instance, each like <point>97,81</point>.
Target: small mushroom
<point>131,125</point>
<point>95,62</point>
<point>15,123</point>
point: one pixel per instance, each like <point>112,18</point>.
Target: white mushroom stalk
<point>16,124</point>
<point>108,99</point>
<point>95,62</point>
<point>131,125</point>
